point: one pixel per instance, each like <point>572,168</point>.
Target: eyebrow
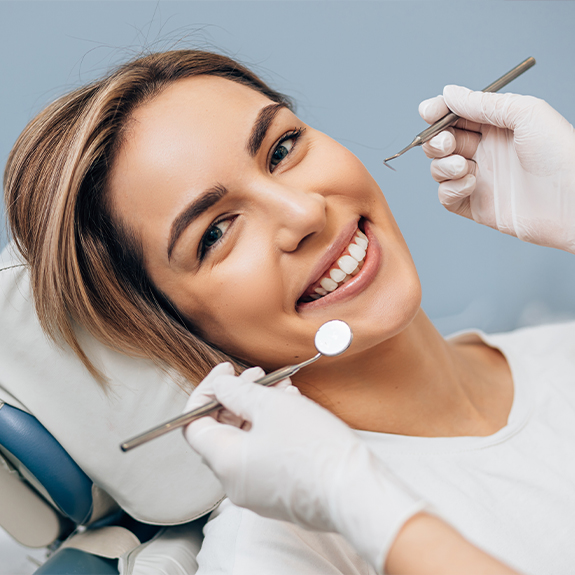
<point>192,212</point>
<point>263,121</point>
<point>210,197</point>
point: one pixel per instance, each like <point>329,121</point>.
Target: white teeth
<point>359,267</point>
<point>347,264</point>
<point>361,242</point>
<point>356,252</point>
<point>328,284</point>
<point>337,275</point>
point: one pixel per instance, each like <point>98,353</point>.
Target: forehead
<point>191,136</point>
<point>196,111</point>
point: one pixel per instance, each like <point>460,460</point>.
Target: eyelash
<point>292,135</point>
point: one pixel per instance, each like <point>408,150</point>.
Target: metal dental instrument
<point>450,119</point>
<point>331,339</point>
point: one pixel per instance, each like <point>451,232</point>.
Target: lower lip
<point>359,282</point>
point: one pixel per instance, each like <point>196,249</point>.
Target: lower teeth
<point>316,296</point>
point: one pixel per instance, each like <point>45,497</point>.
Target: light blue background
<point>358,71</point>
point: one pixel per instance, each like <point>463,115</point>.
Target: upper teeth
<point>337,275</point>
<point>346,265</point>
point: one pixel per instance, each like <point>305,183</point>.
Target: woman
<point>292,460</point>
<point>180,210</point>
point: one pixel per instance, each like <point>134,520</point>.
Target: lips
<point>346,265</point>
<point>352,285</point>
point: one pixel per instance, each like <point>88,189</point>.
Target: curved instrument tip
<point>386,164</point>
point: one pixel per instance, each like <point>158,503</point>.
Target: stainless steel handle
<point>210,407</point>
<point>450,119</point>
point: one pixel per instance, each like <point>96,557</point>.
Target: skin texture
<point>440,551</point>
<point>400,375</point>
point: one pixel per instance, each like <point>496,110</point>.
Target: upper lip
<point>333,251</point>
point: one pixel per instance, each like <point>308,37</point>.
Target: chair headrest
<point>162,482</point>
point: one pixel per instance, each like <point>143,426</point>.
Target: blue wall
<point>358,71</point>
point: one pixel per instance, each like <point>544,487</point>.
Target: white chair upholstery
<point>163,482</point>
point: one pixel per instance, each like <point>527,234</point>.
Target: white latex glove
<point>298,462</point>
<point>508,164</point>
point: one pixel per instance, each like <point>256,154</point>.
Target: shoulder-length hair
<point>85,267</point>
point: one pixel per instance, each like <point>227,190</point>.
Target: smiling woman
<point>242,212</point>
<point>179,210</point>
<point>82,258</point>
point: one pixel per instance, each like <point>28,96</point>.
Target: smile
<point>353,283</point>
<point>347,265</point>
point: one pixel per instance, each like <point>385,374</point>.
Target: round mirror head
<point>333,337</point>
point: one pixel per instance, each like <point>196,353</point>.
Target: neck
<point>415,383</point>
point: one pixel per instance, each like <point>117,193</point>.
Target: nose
<point>296,214</point>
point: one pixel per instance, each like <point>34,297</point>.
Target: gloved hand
<point>508,164</point>
<point>298,462</point>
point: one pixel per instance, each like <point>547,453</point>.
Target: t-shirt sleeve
<point>240,542</point>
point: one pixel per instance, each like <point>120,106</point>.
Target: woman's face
<point>243,211</point>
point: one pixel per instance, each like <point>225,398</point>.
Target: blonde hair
<point>85,266</point>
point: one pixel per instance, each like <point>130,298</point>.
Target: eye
<point>284,147</point>
<point>213,235</point>
<point>282,151</point>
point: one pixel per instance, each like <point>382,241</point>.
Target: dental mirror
<point>331,339</point>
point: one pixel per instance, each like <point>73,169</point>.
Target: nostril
<point>290,242</point>
<point>305,239</point>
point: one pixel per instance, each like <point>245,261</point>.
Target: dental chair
<point>64,483</point>
<point>46,500</point>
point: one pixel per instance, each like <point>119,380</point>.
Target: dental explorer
<point>450,119</point>
<point>331,339</point>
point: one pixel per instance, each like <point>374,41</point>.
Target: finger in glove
<point>454,195</point>
<point>451,168</point>
<point>441,145</point>
<point>202,394</point>
<point>433,109</point>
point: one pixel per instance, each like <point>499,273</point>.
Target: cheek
<point>232,303</point>
<point>399,296</point>
<point>337,161</point>
<point>403,295</point>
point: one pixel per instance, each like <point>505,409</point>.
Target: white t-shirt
<point>511,493</point>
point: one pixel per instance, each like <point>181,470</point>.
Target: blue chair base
<point>75,562</point>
